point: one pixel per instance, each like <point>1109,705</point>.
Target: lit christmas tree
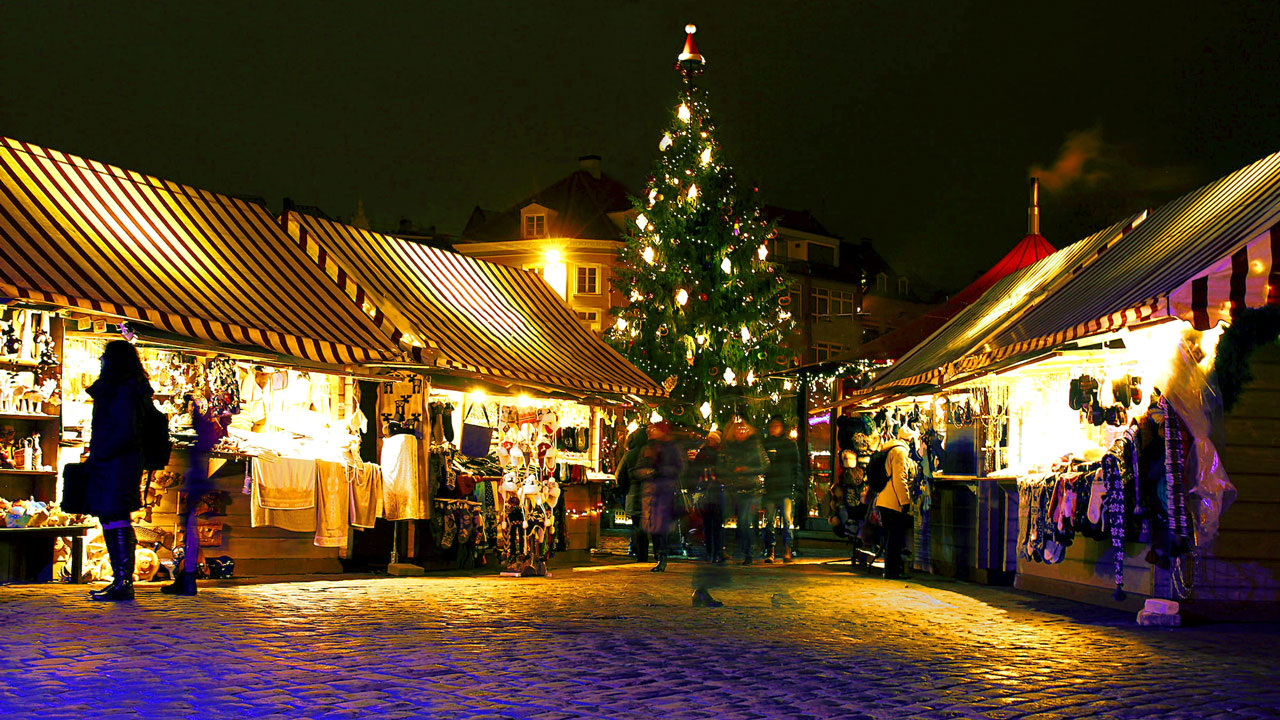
<point>708,313</point>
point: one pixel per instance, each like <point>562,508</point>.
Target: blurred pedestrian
<point>894,500</point>
<point>115,460</point>
<point>741,467</point>
<point>781,480</point>
<point>658,470</point>
<point>195,486</point>
<point>710,497</point>
<point>630,487</point>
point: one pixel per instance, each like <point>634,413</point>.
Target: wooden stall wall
<point>256,551</point>
<point>1241,579</point>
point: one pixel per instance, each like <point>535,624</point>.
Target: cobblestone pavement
<point>795,642</point>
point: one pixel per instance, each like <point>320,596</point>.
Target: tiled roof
<point>582,202</point>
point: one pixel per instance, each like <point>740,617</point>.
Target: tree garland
<point>1249,328</point>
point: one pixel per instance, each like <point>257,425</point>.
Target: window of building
<point>821,254</point>
<point>842,303</point>
<point>590,319</point>
<point>821,302</point>
<point>588,280</point>
<point>823,351</point>
<point>535,225</point>
<point>902,286</point>
<point>882,282</point>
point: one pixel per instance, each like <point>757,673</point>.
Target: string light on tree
<point>712,353</point>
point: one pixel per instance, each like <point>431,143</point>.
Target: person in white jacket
<point>894,500</point>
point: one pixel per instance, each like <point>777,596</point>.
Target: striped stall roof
<point>81,234</point>
<point>476,316</point>
<point>945,351</point>
<point>1180,241</point>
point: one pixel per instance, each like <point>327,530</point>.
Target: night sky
<point>914,124</point>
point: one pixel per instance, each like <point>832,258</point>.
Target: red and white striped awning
<point>81,234</point>
<point>467,315</point>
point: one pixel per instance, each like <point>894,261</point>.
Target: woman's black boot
<point>662,564</point>
<point>120,548</point>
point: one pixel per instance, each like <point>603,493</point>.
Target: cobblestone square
<point>803,641</point>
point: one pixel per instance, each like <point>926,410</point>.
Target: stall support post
<point>802,441</point>
<point>396,567</point>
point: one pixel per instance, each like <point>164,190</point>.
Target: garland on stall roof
<point>1249,328</point>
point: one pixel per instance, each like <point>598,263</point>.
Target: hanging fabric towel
<point>285,483</point>
<point>332,507</point>
<point>403,497</point>
<point>366,494</point>
<point>302,520</point>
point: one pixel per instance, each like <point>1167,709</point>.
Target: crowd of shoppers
<point>671,478</point>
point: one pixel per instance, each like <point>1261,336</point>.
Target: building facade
<point>569,232</point>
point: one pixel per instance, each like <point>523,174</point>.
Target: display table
<point>25,553</point>
<point>968,535</point>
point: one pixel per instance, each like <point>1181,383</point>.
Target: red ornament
<point>702,297</point>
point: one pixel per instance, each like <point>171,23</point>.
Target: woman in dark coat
<point>115,459</point>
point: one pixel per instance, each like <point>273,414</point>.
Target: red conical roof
<point>1031,250</point>
<point>894,345</point>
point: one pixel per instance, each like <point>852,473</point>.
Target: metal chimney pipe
<point>1033,212</point>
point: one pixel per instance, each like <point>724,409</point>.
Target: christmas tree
<point>708,312</point>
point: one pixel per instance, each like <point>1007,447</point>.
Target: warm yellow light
<point>786,384</point>
<point>746,334</point>
<point>647,254</point>
<point>636,296</point>
<point>478,395</point>
<point>655,417</point>
<point>730,377</point>
<point>715,427</point>
<point>524,401</point>
<point>751,377</point>
<point>706,155</point>
<point>693,192</point>
<point>632,427</point>
<point>665,142</point>
<point>794,434</point>
<point>705,410</point>
<point>642,222</point>
<point>653,197</point>
<point>621,324</point>
<point>682,296</point>
<point>763,252</point>
<point>702,339</point>
<point>683,112</point>
<point>555,272</point>
<point>726,266</point>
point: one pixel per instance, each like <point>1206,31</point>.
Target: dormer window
<point>535,226</point>
<point>902,286</point>
<point>882,282</point>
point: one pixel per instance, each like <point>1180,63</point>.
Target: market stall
<point>533,467</point>
<point>207,286</point>
<point>1078,398</point>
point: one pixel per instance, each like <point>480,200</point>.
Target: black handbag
<point>75,488</point>
<point>475,438</point>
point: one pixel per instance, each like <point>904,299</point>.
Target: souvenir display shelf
<point>39,416</point>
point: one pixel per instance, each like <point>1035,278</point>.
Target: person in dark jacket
<point>630,487</point>
<point>780,482</point>
<point>115,460</point>
<point>209,429</point>
<point>659,470</point>
<point>741,467</point>
<point>710,497</point>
